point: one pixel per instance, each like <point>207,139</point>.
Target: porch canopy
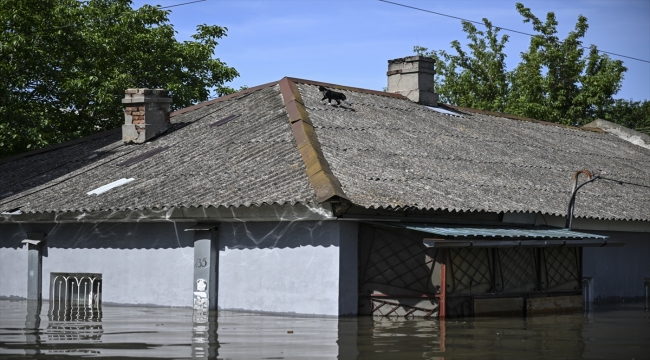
<point>446,236</point>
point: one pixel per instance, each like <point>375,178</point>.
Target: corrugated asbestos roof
<point>250,160</point>
<point>392,153</point>
<point>286,146</point>
<point>518,233</point>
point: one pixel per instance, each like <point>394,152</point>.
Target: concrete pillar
<point>205,286</point>
<point>34,243</point>
<point>206,264</point>
<point>348,268</point>
<point>32,328</point>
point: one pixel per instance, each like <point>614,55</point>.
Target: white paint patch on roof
<point>114,184</point>
<point>443,111</point>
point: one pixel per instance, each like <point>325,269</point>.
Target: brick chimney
<point>413,77</point>
<point>146,114</point>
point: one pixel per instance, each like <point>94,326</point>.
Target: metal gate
<point>75,297</point>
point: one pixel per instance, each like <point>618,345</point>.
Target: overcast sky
<point>349,42</point>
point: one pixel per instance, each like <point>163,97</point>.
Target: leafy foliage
<point>64,66</point>
<point>478,79</point>
<point>629,113</point>
<point>555,80</point>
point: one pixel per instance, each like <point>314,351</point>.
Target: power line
<point>164,7</point>
<point>621,182</point>
<point>511,30</point>
<point>191,2</point>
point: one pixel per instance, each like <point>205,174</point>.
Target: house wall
<point>307,267</point>
<point>140,263</point>
<point>618,272</point>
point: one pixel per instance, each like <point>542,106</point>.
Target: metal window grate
<point>143,156</point>
<point>75,297</point>
<point>225,120</point>
<point>562,268</point>
<point>471,270</point>
<point>517,268</point>
<point>401,264</point>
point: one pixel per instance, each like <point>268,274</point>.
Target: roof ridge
<point>222,98</point>
<point>517,117</point>
<point>349,88</point>
<point>326,185</point>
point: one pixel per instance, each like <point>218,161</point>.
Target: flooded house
<point>279,199</point>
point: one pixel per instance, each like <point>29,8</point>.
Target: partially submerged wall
<point>306,267</point>
<point>145,263</point>
<point>618,272</point>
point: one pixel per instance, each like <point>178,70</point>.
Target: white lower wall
<point>13,272</point>
<point>140,263</point>
<point>287,267</point>
<point>129,276</point>
<point>302,267</point>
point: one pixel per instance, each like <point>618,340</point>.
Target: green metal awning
<point>463,236</point>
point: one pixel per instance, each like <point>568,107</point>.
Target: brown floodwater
<point>608,332</point>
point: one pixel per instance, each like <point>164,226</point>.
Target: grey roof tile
<point>251,160</point>
<point>386,152</point>
<point>391,153</point>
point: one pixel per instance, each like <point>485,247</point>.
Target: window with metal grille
<point>75,296</point>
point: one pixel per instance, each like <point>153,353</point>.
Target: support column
<point>34,243</point>
<point>206,264</point>
<point>204,287</point>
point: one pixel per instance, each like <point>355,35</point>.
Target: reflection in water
<point>28,330</point>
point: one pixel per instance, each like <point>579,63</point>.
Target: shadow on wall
<point>162,235</point>
<point>270,235</point>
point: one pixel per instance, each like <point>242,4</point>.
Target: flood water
<point>609,332</point>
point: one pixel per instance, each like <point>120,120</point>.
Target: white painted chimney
<point>412,77</point>
<point>146,114</point>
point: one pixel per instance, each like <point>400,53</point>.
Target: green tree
<point>555,81</point>
<point>629,113</point>
<point>64,66</point>
<point>477,79</point>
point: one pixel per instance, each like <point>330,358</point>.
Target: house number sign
<point>201,263</point>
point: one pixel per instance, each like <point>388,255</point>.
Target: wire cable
<point>621,182</point>
<point>171,6</point>
<point>164,7</point>
<point>511,30</point>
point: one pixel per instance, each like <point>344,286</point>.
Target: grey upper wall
<point>388,152</point>
<point>250,160</point>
